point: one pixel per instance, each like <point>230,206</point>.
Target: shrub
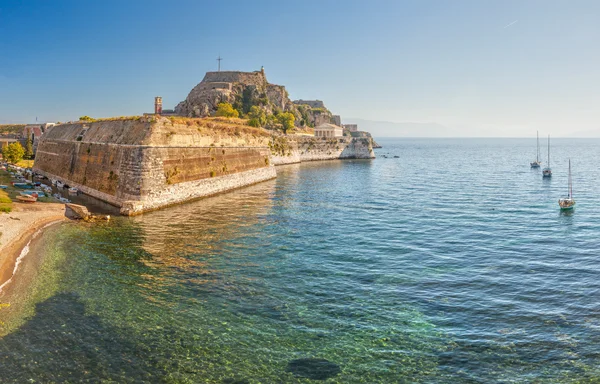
<point>226,110</point>
<point>258,117</point>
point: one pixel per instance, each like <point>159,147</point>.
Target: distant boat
<point>3,186</point>
<point>547,172</point>
<point>568,203</point>
<point>73,190</point>
<point>537,162</point>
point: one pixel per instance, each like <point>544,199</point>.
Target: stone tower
<point>157,105</point>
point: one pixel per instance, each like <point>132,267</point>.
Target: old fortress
<point>167,157</point>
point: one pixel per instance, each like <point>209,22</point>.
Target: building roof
<point>36,130</point>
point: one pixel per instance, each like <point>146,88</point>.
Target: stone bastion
<point>143,164</point>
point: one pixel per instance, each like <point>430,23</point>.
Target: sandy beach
<point>17,227</point>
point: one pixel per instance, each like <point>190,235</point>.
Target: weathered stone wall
<point>311,103</point>
<point>142,164</point>
<point>248,78</point>
<point>296,149</point>
<point>191,190</point>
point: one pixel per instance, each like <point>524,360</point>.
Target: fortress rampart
<point>297,149</point>
<point>248,78</point>
<point>141,164</point>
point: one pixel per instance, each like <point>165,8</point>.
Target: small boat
<point>537,162</point>
<point>73,190</point>
<point>3,186</point>
<point>27,199</point>
<point>547,172</point>
<point>568,203</point>
<point>64,200</point>
<point>35,194</point>
<point>23,185</point>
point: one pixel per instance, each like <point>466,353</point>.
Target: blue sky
<point>482,68</point>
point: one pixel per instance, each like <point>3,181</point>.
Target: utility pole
<point>219,60</point>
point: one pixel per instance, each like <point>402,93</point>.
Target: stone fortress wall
<point>297,149</point>
<point>142,165</point>
<point>310,103</point>
<point>248,78</point>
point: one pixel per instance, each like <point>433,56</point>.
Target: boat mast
<point>537,154</point>
<point>570,182</point>
<point>548,151</point>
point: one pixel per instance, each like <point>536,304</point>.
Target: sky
<point>479,68</point>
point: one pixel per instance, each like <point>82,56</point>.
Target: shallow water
<point>451,263</point>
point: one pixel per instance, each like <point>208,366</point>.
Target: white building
<point>329,130</point>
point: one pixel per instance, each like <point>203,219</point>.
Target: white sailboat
<point>568,203</point>
<point>547,172</point>
<point>537,162</point>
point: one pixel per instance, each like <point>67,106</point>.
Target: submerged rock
<point>315,369</point>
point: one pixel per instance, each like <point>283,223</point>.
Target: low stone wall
<point>296,149</point>
<point>187,191</point>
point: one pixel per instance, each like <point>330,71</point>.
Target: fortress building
<point>241,89</point>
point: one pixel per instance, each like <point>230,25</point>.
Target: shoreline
<point>18,228</point>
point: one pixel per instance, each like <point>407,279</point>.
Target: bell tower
<point>157,105</point>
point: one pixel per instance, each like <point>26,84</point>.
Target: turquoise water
<point>450,263</point>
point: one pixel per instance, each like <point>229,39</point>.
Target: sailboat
<point>547,172</point>
<point>537,162</point>
<point>567,203</point>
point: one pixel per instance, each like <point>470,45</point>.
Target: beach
<point>18,226</point>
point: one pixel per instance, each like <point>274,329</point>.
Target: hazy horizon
<point>464,68</point>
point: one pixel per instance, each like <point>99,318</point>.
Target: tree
<point>258,117</point>
<point>287,121</point>
<point>29,148</point>
<point>226,110</point>
<point>13,153</point>
<point>87,118</point>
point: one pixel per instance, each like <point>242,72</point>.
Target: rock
<point>76,212</point>
<point>79,212</point>
<point>315,369</point>
<point>236,88</point>
<point>96,218</point>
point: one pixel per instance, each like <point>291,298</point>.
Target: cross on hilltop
<point>219,60</point>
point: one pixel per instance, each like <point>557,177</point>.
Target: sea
<point>440,261</point>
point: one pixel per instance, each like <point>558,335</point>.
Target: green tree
<point>287,121</point>
<point>257,116</point>
<point>13,153</point>
<point>87,118</point>
<point>226,110</point>
<point>29,148</point>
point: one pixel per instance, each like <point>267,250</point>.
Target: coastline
<point>17,229</point>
